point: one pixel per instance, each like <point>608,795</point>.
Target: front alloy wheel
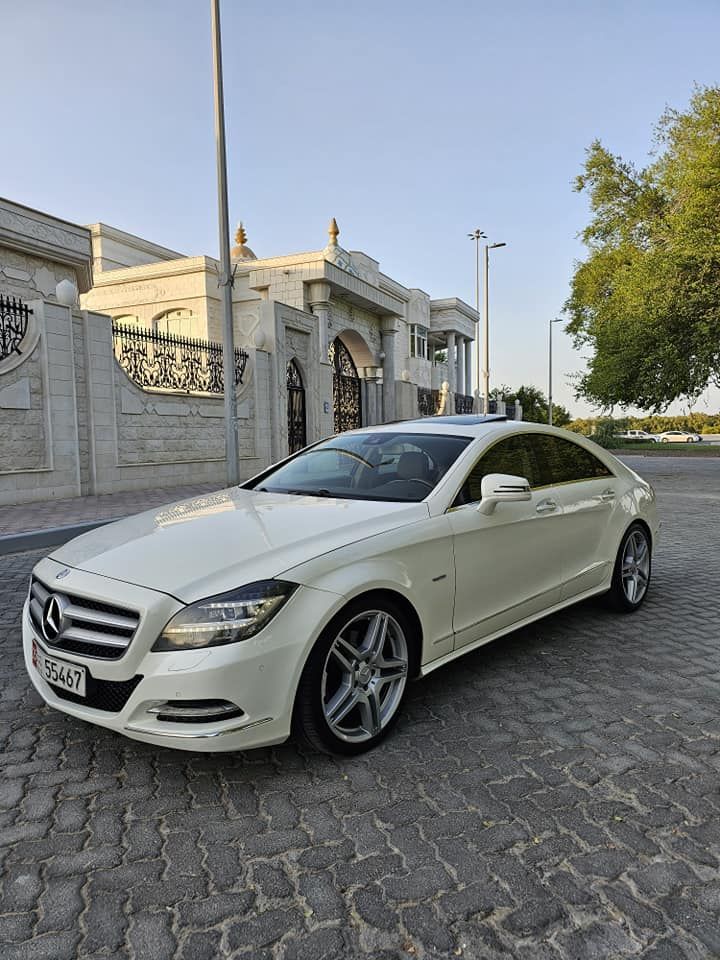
<point>633,566</point>
<point>355,678</point>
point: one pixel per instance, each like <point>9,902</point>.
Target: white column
<point>452,371</point>
<point>468,367</point>
<point>387,332</point>
<point>461,365</point>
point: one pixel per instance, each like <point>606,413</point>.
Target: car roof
<point>469,425</point>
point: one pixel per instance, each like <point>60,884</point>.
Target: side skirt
<point>427,668</point>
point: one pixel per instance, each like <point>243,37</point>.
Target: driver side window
<point>512,455</point>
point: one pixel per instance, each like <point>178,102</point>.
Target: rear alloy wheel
<point>354,681</point>
<point>633,567</point>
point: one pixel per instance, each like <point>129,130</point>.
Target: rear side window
<point>513,455</point>
<point>562,461</point>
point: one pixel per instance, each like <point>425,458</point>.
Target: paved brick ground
<point>554,795</point>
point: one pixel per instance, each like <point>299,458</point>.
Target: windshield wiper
<point>312,493</point>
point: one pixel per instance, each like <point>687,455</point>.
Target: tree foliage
<point>534,404</point>
<point>692,422</point>
<point>647,298</point>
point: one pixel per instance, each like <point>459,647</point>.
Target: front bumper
<point>259,675</point>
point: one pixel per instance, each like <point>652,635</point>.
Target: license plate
<point>69,676</point>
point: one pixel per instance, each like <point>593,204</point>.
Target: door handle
<point>546,506</point>
<point>606,496</point>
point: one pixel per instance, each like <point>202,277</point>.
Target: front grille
<point>108,695</point>
<point>91,628</point>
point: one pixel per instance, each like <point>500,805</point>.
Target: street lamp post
<point>225,281</point>
<point>486,325</point>
<point>550,410</point>
<point>477,235</point>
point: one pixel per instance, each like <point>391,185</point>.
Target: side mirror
<point>501,488</point>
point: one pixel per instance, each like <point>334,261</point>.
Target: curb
<point>50,537</point>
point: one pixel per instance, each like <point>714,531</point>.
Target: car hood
<point>202,546</point>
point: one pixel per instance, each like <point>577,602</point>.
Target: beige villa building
<point>111,372</point>
<point>321,315</point>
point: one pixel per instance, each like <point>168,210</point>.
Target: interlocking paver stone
<point>553,796</point>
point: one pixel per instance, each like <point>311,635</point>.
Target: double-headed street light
<point>477,235</point>
<point>550,327</point>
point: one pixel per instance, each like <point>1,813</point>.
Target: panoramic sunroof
<point>468,419</point>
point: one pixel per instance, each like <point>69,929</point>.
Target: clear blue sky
<point>412,122</point>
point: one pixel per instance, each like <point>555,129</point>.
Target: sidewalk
<point>51,514</point>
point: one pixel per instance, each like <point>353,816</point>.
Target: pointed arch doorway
<point>347,409</point>
<point>296,420</point>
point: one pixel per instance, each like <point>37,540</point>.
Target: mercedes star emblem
<point>53,618</point>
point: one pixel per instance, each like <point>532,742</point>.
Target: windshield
<point>367,466</point>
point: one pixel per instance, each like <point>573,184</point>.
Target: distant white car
<point>678,436</point>
<point>638,435</point>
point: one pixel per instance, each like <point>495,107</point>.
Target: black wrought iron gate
<point>346,388</point>
<point>297,436</point>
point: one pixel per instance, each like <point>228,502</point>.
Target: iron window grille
<point>428,401</point>
<point>463,403</point>
<point>14,319</point>
<point>163,361</point>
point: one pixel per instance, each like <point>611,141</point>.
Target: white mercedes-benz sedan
<point>305,599</point>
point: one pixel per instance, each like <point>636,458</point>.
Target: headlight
<point>226,618</point>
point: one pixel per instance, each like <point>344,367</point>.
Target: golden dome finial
<point>333,231</point>
<point>241,251</point>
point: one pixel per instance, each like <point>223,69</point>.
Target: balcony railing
<point>428,401</point>
<point>14,319</point>
<point>463,403</point>
<point>163,361</point>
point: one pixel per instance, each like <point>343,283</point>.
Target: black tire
<point>617,597</point>
<point>309,721</point>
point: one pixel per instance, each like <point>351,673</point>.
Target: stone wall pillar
<point>318,297</point>
<point>452,372</point>
<point>371,396</point>
<point>388,331</point>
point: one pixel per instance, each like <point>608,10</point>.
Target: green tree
<point>534,404</point>
<point>503,392</point>
<point>647,298</point>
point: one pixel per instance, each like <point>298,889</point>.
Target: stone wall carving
<point>35,243</point>
<point>24,275</point>
<point>23,427</point>
<point>156,428</point>
<point>346,316</point>
<point>29,226</point>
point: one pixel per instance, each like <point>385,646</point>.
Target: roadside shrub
<point>604,434</point>
<point>693,422</point>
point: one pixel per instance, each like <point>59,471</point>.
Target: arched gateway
<point>297,434</point>
<point>346,388</point>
